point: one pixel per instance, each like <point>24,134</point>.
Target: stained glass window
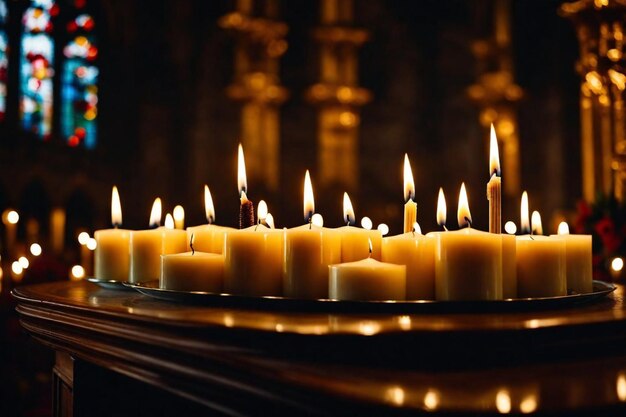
<point>36,67</point>
<point>4,59</point>
<point>79,83</point>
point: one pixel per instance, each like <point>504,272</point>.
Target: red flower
<point>605,226</point>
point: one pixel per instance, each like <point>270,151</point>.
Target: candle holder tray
<point>109,284</point>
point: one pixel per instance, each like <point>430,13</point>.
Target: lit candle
<point>441,209</point>
<point>147,246</point>
<point>494,186</point>
<point>540,261</point>
<point>208,237</point>
<point>578,255</point>
<point>246,207</point>
<point>468,262</point>
<point>354,240</point>
<point>309,250</point>
<point>112,254</point>
<point>535,223</point>
<point>410,207</point>
<point>179,217</point>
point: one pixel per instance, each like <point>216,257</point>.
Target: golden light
<point>617,264</point>
<point>77,272</point>
<point>395,395</point>
<point>383,229</point>
<point>35,249</point>
<point>348,211</point>
<point>524,218</point>
<point>369,328</point>
<point>262,211</point>
<point>510,227</point>
<point>116,208</point>
<point>621,386</point>
<point>594,81</point>
<point>269,220</point>
<point>528,404</point>
<point>317,220</point>
<point>209,209</point>
<point>618,79</point>
<point>409,184</point>
<point>431,400</point>
<point>12,217</point>
<point>179,217</point>
<point>366,223</point>
<point>404,322</point>
<point>83,238</point>
<point>535,221</point>
<point>563,229</point>
<point>416,228</point>
<point>463,215</point>
<point>242,181</point>
<point>156,213</point>
<point>92,244</point>
<point>17,268</point>
<point>494,156</point>
<point>441,209</point>
<point>169,221</point>
<point>23,262</point>
<point>309,201</point>
<point>503,401</point>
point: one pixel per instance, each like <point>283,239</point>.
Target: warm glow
<point>503,402</point>
<point>416,228</point>
<point>366,223</point>
<point>78,272</point>
<point>242,181</point>
<point>464,217</point>
<point>179,214</point>
<point>494,156</point>
<point>24,262</point>
<point>395,395</point>
<point>617,264</point>
<point>535,221</point>
<point>431,400</point>
<point>621,387</point>
<point>13,217</point>
<point>383,229</point>
<point>209,209</point>
<point>524,219</point>
<point>510,227</point>
<point>92,244</point>
<point>155,213</point>
<point>528,404</point>
<point>441,209</point>
<point>309,201</point>
<point>169,221</point>
<point>369,328</point>
<point>409,184</point>
<point>563,229</point>
<point>348,211</point>
<point>116,208</point>
<point>317,220</point>
<point>83,238</point>
<point>17,268</point>
<point>35,249</point>
<point>262,211</point>
<point>269,220</point>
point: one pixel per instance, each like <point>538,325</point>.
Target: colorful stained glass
<point>36,68</point>
<point>4,59</point>
<point>79,85</point>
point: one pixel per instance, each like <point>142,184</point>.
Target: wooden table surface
<point>238,361</point>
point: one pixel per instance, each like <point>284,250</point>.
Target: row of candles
<point>349,263</point>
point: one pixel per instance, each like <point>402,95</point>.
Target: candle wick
<point>193,251</point>
<point>445,228</point>
<point>468,220</point>
<point>310,222</point>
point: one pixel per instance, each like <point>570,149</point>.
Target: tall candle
<point>410,207</point>
<point>309,250</point>
<point>147,246</point>
<point>578,256</point>
<point>208,237</point>
<point>246,207</point>
<point>367,280</point>
<point>112,255</point>
<point>354,240</point>
<point>494,186</point>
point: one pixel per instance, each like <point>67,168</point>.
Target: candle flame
<point>262,211</point>
<point>317,220</point>
<point>269,219</point>
<point>535,221</point>
<point>348,211</point>
<point>179,213</point>
<point>416,228</point>
<point>464,216</point>
<point>409,184</point>
<point>510,227</point>
<point>169,221</point>
<point>366,223</point>
<point>116,208</point>
<point>563,229</point>
<point>371,248</point>
<point>209,209</point>
<point>155,213</point>
<point>383,229</point>
<point>494,156</point>
<point>309,201</point>
<point>524,219</point>
<point>242,181</point>
<point>441,209</point>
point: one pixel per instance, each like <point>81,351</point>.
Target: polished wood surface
<point>234,361</point>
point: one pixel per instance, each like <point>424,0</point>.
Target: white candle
<point>410,207</point>
<point>578,256</point>
<point>192,271</point>
<point>354,240</point>
<point>112,255</point>
<point>494,186</point>
<point>367,279</point>
<point>208,237</point>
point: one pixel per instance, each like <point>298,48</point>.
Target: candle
<point>112,255</point>
<point>367,280</point>
<point>192,271</point>
<point>208,237</point>
<point>509,266</point>
<point>253,263</point>
<point>246,207</point>
<point>309,250</point>
<point>578,256</point>
<point>354,240</point>
<point>179,217</point>
<point>410,207</point>
<point>468,262</point>
<point>147,246</point>
<point>494,186</point>
<point>540,261</point>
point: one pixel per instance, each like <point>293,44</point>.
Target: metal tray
<point>109,284</point>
